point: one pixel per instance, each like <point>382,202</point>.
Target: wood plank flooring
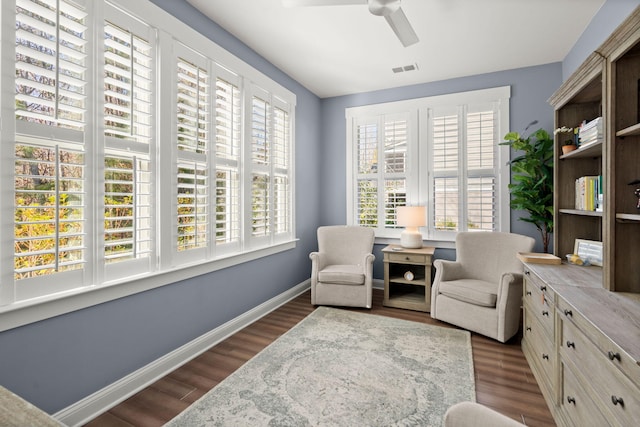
<point>504,381</point>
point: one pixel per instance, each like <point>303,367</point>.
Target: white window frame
<point>419,157</point>
<point>162,267</point>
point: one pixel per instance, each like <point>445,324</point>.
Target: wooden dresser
<point>583,345</point>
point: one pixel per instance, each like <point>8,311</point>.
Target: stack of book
<point>589,193</point>
<point>590,132</point>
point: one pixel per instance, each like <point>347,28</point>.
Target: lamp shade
<point>410,216</point>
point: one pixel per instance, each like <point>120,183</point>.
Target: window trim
<point>16,313</point>
<point>416,109</point>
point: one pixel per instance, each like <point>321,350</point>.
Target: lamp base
<point>411,239</point>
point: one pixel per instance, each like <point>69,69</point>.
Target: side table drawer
<point>407,258</point>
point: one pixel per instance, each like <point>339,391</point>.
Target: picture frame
<point>589,250</point>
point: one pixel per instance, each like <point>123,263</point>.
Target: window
<point>103,192</point>
<point>442,152</point>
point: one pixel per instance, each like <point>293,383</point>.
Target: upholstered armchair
<point>482,290</point>
<point>342,268</point>
<point>471,414</point>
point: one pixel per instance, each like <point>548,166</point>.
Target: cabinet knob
<point>617,400</point>
<point>529,293</point>
<point>568,313</point>
<point>529,328</point>
<point>571,344</point>
<point>527,272</point>
<point>407,258</point>
<point>613,355</point>
<point>543,288</point>
<point>545,313</point>
<point>571,400</point>
<point>545,356</point>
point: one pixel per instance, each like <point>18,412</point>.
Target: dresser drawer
<point>535,283</point>
<point>540,305</point>
<point>407,258</point>
<point>613,354</point>
<point>576,406</point>
<point>540,344</point>
<point>607,385</point>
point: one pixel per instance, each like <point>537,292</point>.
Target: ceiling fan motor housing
<point>383,7</point>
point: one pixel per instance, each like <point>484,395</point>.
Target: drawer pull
<point>571,344</point>
<point>568,313</point>
<point>528,293</point>
<point>407,258</point>
<point>543,288</point>
<point>529,328</point>
<point>545,356</point>
<point>613,356</point>
<point>527,272</point>
<point>617,400</point>
<point>545,313</point>
<point>571,400</point>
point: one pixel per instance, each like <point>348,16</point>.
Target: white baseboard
<point>90,407</point>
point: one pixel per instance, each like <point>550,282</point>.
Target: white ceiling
<point>339,50</point>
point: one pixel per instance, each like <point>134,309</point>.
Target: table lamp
<point>410,217</point>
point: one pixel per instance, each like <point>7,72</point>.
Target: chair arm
<point>448,270</point>
<point>368,260</point>
<point>507,282</point>
<point>509,300</point>
<point>318,262</point>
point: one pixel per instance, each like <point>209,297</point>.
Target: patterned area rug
<point>344,368</point>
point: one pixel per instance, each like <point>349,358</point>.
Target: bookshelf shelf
<point>629,131</point>
<point>592,150</point>
<point>580,212</point>
<point>628,217</point>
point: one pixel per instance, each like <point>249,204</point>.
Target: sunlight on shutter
<point>127,221</point>
<point>193,108</point>
<point>259,132</point>
<point>481,141</point>
<point>445,162</point>
<point>481,203</point>
<point>367,151</point>
<point>228,132</point>
<point>128,85</point>
<point>446,199</point>
<point>395,194</point>
<point>49,210</point>
<point>50,64</point>
<point>260,221</point>
<point>395,146</point>
<point>367,202</point>
<point>445,143</point>
<point>281,189</point>
<point>193,206</point>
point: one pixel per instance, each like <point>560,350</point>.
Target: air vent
<point>410,67</point>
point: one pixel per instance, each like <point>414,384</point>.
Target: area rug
<point>344,368</point>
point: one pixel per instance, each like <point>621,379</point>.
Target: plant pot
<point>568,148</point>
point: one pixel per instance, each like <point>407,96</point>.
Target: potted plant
<point>569,144</point>
<point>532,187</point>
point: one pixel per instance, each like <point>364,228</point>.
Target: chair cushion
<point>472,291</point>
<point>342,275</point>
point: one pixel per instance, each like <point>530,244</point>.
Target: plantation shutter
<point>366,158</point>
<point>129,142</point>
<point>381,155</point>
<point>482,143</point>
<point>193,107</point>
<point>50,174</point>
<point>51,66</point>
<point>261,203</point>
<point>228,116</point>
<point>281,180</point>
<point>446,161</point>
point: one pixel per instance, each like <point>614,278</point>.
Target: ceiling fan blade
<point>298,3</point>
<point>401,26</point>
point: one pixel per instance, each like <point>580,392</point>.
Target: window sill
<point>33,310</point>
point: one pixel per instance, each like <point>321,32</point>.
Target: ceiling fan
<point>390,9</point>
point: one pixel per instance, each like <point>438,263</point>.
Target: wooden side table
<point>407,277</point>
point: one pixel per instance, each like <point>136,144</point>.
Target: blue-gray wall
<point>59,361</point>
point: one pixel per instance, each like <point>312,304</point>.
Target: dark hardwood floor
<point>504,381</point>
